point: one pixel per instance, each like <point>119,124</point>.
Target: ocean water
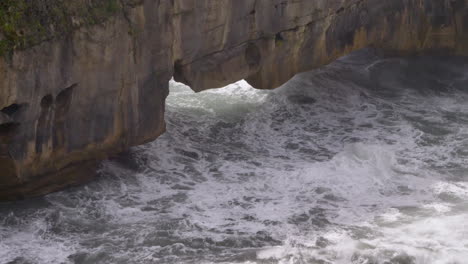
<point>364,161</point>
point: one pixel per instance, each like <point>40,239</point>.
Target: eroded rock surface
<point>73,100</point>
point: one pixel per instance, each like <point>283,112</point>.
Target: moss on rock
<point>25,23</point>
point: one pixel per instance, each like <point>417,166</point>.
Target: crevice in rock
<point>11,109</point>
<point>131,28</point>
<point>279,39</point>
<point>179,72</point>
<point>47,101</point>
<point>63,99</point>
<point>43,123</point>
<point>7,131</point>
<point>62,107</point>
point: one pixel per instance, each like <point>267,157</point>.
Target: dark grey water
<point>364,161</point>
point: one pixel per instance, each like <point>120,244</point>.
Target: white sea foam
<point>363,161</point>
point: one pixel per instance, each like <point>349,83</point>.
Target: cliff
<point>82,80</point>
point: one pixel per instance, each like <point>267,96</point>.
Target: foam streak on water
<point>364,161</point>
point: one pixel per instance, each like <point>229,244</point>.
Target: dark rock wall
<point>270,41</point>
<point>72,101</point>
<point>93,93</point>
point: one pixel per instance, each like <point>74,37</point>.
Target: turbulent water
<point>363,161</point>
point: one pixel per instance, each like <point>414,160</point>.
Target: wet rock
<point>301,99</point>
<point>101,88</point>
<point>191,154</point>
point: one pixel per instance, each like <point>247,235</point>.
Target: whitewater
<point>363,161</point>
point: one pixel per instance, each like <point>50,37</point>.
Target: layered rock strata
<point>69,100</point>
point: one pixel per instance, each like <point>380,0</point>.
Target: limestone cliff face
<point>75,99</point>
<point>70,102</point>
<point>270,41</point>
